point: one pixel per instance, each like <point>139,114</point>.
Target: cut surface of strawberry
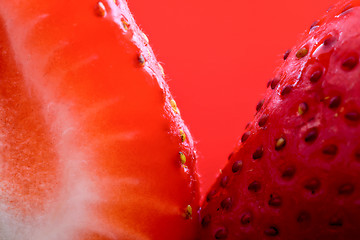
<point>295,172</point>
<point>92,142</point>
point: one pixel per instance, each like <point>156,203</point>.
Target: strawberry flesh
<point>90,134</point>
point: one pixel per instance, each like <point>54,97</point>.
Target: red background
<point>218,57</point>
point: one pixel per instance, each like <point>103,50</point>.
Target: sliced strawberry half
<point>92,142</point>
<point>295,172</point>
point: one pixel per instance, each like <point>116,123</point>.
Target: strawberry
<point>295,172</point>
<point>92,142</point>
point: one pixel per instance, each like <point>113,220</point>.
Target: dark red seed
<point>269,83</point>
<point>330,150</point>
<point>275,200</point>
<point>287,53</point>
<point>274,83</point>
<point>246,218</point>
<point>206,220</point>
<point>263,119</point>
<point>210,195</point>
<point>346,189</point>
<point>271,231</point>
<point>312,185</point>
<point>230,155</point>
<point>255,186</point>
<point>259,105</point>
<point>314,24</point>
<point>226,203</point>
<point>353,116</point>
<point>303,217</point>
<point>303,108</point>
<point>335,102</point>
<point>330,8</point>
<point>350,63</point>
<point>237,166</point>
<point>335,221</point>
<point>289,172</point>
<point>311,135</point>
<point>258,153</point>
<point>224,181</point>
<point>247,125</point>
<point>346,8</point>
<point>221,234</point>
<point>245,136</point>
<point>286,90</point>
<point>329,41</point>
<point>316,76</point>
<point>280,144</point>
<point>141,59</point>
<point>357,154</point>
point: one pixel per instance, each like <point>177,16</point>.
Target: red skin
<point>309,187</point>
<point>90,141</point>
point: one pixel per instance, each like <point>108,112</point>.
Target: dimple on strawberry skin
<point>295,171</point>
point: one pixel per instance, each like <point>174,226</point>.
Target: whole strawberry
<point>295,173</point>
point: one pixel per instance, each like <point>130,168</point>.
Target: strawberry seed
<point>258,153</point>
<point>255,186</point>
<point>330,150</point>
<point>259,105</point>
<point>206,220</point>
<point>237,166</point>
<point>316,76</point>
<point>311,135</point>
<point>275,200</point>
<point>226,204</point>
<point>303,217</point>
<point>221,234</point>
<point>335,102</point>
<point>245,136</point>
<point>303,108</point>
<point>350,63</point>
<point>246,218</point>
<point>263,119</point>
<point>280,144</point>
<point>302,53</point>
<point>287,53</point>
<point>271,231</point>
<point>346,189</point>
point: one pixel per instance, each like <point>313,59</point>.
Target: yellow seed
<point>182,135</point>
<point>174,106</point>
<point>173,103</point>
<point>145,38</point>
<point>302,53</point>
<point>280,143</point>
<point>302,108</point>
<point>182,158</point>
<point>100,9</point>
<point>125,24</point>
<point>188,212</point>
<point>300,111</point>
<point>161,70</point>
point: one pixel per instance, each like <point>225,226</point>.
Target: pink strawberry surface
<point>295,172</point>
